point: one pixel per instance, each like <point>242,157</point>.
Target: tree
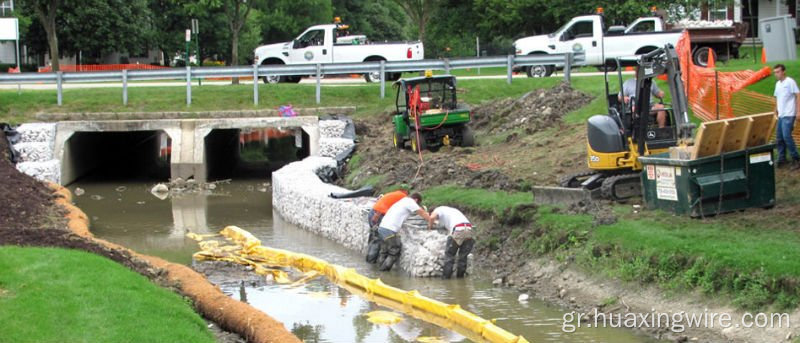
<point>420,13</point>
<point>285,19</point>
<point>380,20</point>
<point>46,11</point>
<point>236,13</point>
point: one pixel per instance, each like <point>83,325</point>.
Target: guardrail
<point>317,70</point>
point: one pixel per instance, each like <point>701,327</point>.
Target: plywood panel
<point>737,134</point>
<point>762,129</point>
<point>709,139</point>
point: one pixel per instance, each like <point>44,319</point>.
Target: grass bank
<point>59,295</point>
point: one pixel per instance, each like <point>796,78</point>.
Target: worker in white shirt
<point>459,239</point>
<point>390,225</point>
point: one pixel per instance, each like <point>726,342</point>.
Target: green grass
<point>753,267</point>
<point>483,200</point>
<point>58,295</point>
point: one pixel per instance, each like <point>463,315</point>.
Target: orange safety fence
<point>716,94</point>
<point>100,67</point>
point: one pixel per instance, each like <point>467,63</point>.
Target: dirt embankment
<point>381,164</point>
<point>25,203</point>
<point>42,215</point>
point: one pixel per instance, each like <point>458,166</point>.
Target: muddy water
<point>317,311</point>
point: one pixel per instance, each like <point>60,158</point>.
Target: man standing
<point>628,94</point>
<point>787,109</point>
<point>390,225</point>
<point>459,239</point>
<point>376,214</point>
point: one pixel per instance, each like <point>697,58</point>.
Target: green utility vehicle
<point>429,115</point>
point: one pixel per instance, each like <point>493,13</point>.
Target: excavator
<point>616,140</point>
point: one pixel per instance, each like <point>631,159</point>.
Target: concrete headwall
<point>302,198</point>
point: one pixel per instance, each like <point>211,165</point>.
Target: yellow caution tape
<point>453,317</point>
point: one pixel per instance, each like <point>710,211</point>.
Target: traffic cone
<point>763,55</point>
<point>711,63</point>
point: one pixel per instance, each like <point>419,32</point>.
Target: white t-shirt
<point>786,97</point>
<point>398,213</point>
<point>449,217</point>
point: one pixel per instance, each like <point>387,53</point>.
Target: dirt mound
<point>27,203</point>
<point>536,110</point>
<point>391,167</point>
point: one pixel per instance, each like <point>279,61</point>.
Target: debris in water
<point>96,197</point>
<point>384,317</point>
<point>140,202</point>
<point>523,297</point>
<point>159,188</point>
<point>121,189</point>
<point>79,191</point>
<point>262,190</point>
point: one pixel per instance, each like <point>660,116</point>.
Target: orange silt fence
<point>101,67</point>
<point>716,94</point>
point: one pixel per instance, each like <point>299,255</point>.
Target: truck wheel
<point>293,79</point>
<point>374,77</point>
<point>700,56</point>
<point>398,141</point>
<point>418,146</point>
<point>467,137</point>
<point>540,70</point>
<point>272,79</point>
<point>393,76</point>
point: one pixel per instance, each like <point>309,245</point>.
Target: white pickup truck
<point>331,43</point>
<point>586,34</point>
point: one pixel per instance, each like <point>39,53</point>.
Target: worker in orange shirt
<point>377,212</point>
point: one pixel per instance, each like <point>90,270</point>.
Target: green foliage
<point>96,27</point>
<point>60,295</point>
<point>285,19</point>
<point>380,20</point>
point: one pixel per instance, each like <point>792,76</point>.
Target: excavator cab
<point>616,140</point>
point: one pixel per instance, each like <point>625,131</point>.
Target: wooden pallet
<point>727,135</point>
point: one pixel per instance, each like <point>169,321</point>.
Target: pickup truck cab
<point>721,38</point>
<point>331,43</point>
<point>587,34</point>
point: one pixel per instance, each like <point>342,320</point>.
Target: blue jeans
<point>784,139</point>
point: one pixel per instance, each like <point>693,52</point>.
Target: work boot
<point>781,164</point>
<point>795,165</point>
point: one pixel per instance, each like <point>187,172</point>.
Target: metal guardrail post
<point>319,72</point>
<point>125,87</point>
<point>58,87</point>
<point>568,68</point>
<point>447,66</point>
<point>188,85</point>
<point>509,64</point>
<point>383,79</point>
<point>255,84</point>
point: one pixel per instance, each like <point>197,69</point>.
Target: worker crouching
<point>388,230</point>
<point>376,214</point>
<point>459,240</point>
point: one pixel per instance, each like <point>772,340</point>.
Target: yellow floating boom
<point>411,302</point>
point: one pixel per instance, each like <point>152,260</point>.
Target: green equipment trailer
<point>428,114</point>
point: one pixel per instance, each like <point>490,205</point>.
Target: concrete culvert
<point>252,152</point>
<point>130,155</point>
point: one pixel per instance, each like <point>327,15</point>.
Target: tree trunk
<point>235,52</point>
<point>52,41</point>
<point>46,13</point>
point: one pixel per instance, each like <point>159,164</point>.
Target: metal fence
<point>565,61</point>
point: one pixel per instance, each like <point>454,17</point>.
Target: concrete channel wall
<point>301,197</point>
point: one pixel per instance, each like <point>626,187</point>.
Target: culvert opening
<point>111,156</point>
<point>252,152</point>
